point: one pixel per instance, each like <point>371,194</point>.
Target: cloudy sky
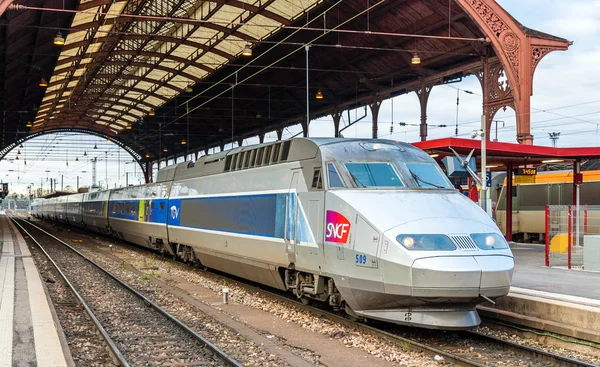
<point>565,100</point>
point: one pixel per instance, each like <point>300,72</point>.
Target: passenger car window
<point>427,175</point>
<point>334,178</point>
<point>374,174</point>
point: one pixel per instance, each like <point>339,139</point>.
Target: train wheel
<point>305,300</point>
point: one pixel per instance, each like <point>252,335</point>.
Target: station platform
<point>558,300</point>
<point>29,334</point>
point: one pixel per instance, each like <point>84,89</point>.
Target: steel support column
<point>375,113</point>
<point>261,137</point>
<point>423,94</point>
<point>508,201</point>
<point>148,173</point>
<point>279,133</point>
<point>337,117</point>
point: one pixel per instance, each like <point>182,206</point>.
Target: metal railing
<point>566,226</point>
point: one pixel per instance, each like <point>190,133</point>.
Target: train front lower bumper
<point>436,292</point>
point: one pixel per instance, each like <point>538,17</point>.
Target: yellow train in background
<point>529,201</point>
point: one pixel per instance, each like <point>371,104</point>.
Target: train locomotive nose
<point>461,278</point>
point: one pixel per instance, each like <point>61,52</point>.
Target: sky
<point>565,99</point>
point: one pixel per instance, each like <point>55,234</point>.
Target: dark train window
<point>533,195</point>
<point>162,205</point>
<point>133,208</point>
<point>317,183</point>
<point>259,157</point>
<point>252,158</point>
<point>127,208</point>
<point>267,158</point>
<point>233,162</point>
<point>285,151</point>
<point>275,158</point>
<point>240,160</point>
<point>247,159</point>
<point>227,163</point>
<point>334,178</point>
<point>152,205</point>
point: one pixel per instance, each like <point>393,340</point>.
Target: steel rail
<point>538,353</point>
<point>226,358</point>
<point>448,356</point>
<point>114,350</point>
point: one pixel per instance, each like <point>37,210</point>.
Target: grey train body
<point>369,226</point>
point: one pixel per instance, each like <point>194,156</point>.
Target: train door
<point>291,218</point>
<point>365,244</point>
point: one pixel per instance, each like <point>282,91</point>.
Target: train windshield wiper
<point>356,180</point>
<point>419,179</point>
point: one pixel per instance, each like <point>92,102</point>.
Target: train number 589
<point>361,259</point>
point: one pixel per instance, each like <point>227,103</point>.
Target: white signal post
<point>483,166</point>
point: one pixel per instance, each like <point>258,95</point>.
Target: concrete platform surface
<point>28,331</point>
<point>531,273</point>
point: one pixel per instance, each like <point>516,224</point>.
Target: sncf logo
<point>338,227</point>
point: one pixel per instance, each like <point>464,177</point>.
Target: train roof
<point>295,149</point>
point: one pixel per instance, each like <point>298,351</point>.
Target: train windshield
<point>427,175</point>
<point>374,174</point>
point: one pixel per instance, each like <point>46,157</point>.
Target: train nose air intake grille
<point>464,242</point>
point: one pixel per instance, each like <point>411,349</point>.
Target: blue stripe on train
<point>258,215</point>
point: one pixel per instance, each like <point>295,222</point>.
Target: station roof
<point>153,73</point>
<point>499,153</point>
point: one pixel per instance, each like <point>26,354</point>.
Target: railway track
<point>137,331</point>
<point>462,348</point>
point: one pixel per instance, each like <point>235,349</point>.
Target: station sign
<point>525,172</point>
<point>521,179</point>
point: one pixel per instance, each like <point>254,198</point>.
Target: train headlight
<point>426,242</point>
<point>489,241</point>
<point>408,242</point>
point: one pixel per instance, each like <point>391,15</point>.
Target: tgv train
<point>370,226</point>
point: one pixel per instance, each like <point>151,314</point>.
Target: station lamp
<point>76,159</point>
<point>416,60</point>
<point>189,89</point>
<point>319,95</point>
<point>85,154</point>
<point>183,142</point>
<point>247,50</point>
<point>95,147</point>
<point>59,40</point>
<point>147,155</point>
<point>43,83</point>
<point>151,113</point>
<point>21,146</point>
<point>128,127</point>
<point>29,124</point>
<point>165,149</point>
<point>18,152</point>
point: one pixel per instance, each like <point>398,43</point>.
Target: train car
<point>36,207</point>
<point>73,210</point>
<point>138,214</point>
<point>372,226</point>
<point>50,209</point>
<point>529,201</point>
<point>94,210</point>
<point>61,209</point>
